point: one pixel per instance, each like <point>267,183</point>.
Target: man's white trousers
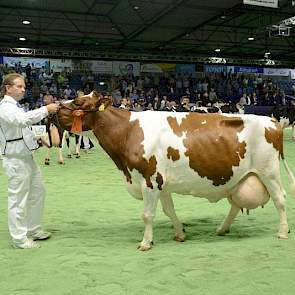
<point>25,197</point>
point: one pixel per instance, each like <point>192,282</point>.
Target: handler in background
<point>17,142</point>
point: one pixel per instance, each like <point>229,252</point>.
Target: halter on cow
<point>213,156</point>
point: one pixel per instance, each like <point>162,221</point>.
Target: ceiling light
<point>217,50</point>
<point>223,17</point>
<point>22,39</point>
<point>267,53</point>
<point>26,22</point>
<point>251,38</point>
<point>135,7</point>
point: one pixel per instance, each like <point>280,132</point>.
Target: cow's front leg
<point>60,156</point>
<point>168,209</point>
<point>47,157</point>
<point>150,199</point>
<point>225,226</point>
<point>66,140</point>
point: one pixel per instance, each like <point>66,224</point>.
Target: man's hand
<point>53,108</point>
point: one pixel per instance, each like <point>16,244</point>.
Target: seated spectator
<point>253,98</point>
<point>69,92</point>
<point>134,95</point>
<point>48,98</point>
<point>53,89</point>
<point>137,107</point>
<point>124,103</point>
<point>212,96</point>
<point>116,97</point>
<point>87,89</point>
<point>184,105</point>
<point>244,100</point>
<point>43,88</point>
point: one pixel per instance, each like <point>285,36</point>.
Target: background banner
<point>38,62</point>
<point>60,65</point>
<point>126,68</point>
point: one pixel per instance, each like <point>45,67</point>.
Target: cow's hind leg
<point>168,209</point>
<point>225,226</point>
<point>150,199</point>
<point>277,194</point>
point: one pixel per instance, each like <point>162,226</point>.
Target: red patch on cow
<point>124,143</point>
<point>160,181</point>
<point>173,154</point>
<point>212,144</point>
<point>274,136</point>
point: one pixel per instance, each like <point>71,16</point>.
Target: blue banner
<point>252,70</point>
<point>1,59</point>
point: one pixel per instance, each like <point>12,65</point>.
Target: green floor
<point>96,226</point>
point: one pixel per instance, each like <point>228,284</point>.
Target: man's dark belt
<point>16,139</point>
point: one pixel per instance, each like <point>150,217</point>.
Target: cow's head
<point>79,115</point>
<point>92,102</point>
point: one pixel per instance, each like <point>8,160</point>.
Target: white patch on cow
<point>204,122</point>
<point>67,101</point>
<point>157,129</point>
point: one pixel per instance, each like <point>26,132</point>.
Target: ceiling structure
<point>163,30</point>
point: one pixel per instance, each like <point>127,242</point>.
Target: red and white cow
<point>213,156</point>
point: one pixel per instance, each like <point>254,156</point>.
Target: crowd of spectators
<point>152,92</point>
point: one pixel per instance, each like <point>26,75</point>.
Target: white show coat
<point>25,188</point>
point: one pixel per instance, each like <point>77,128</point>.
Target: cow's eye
<point>78,102</point>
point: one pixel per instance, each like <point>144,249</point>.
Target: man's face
<point>17,90</point>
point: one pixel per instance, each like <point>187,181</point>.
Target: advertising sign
<point>276,72</point>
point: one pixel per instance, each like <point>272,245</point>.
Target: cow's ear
<point>95,94</point>
<point>104,102</point>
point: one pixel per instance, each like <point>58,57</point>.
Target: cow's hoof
<point>283,232</point>
<point>61,162</point>
<point>69,156</point>
<point>144,246</point>
<point>47,162</point>
<point>222,232</point>
<point>180,238</point>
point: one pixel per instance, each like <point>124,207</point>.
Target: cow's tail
<point>290,177</point>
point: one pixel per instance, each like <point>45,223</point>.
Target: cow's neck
<point>110,128</point>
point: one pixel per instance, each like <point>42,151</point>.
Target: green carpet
<point>96,227</point>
